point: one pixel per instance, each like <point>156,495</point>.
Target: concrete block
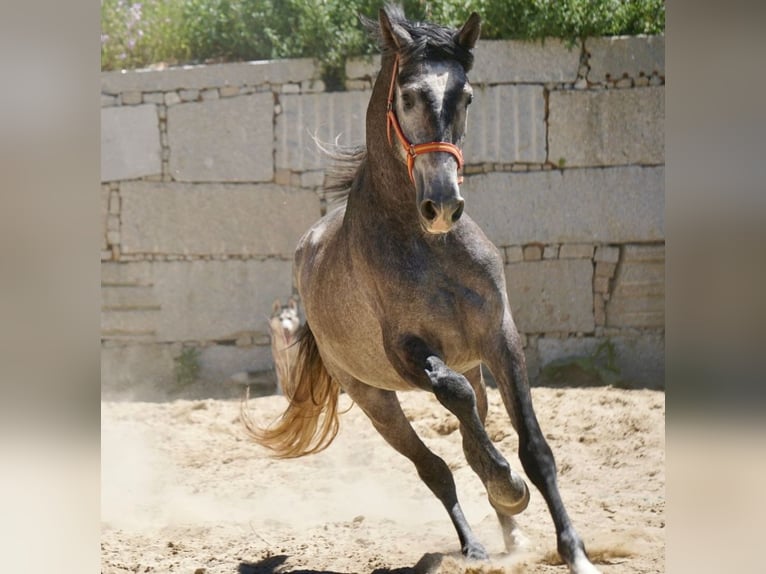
<point>507,61</point>
<point>326,116</point>
<point>171,301</point>
<point>131,98</point>
<point>216,300</point>
<point>611,58</point>
<point>130,324</point>
<point>130,142</point>
<point>203,76</point>
<point>551,296</point>
<point>607,127</point>
<point>202,219</point>
<point>104,215</point>
<point>533,252</point>
<point>219,362</point>
<point>136,372</point>
<point>222,140</point>
<point>616,205</point>
<point>133,274</point>
<point>362,68</point>
<point>638,295</point>
<point>576,251</point>
<point>641,360</point>
<point>506,124</point>
<point>514,254</point>
<point>607,254</point>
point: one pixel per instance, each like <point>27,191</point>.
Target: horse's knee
<point>451,388</point>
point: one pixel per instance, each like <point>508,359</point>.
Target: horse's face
<point>431,107</point>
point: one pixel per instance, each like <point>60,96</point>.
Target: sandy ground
<point>184,490</point>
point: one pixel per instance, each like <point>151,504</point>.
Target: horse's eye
<point>408,100</point>
<point>468,100</point>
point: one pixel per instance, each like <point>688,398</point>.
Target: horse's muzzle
<point>439,217</point>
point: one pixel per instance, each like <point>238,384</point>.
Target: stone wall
<point>210,175</point>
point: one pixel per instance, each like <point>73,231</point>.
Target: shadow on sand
<point>276,565</point>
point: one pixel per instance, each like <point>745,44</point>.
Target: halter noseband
<point>417,149</point>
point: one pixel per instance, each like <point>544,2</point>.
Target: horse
<point>403,291</point>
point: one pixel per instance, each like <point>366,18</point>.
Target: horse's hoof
<point>475,552</point>
<point>509,498</point>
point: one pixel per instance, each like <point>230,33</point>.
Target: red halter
<point>418,149</point>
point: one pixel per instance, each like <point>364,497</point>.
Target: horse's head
<point>428,98</point>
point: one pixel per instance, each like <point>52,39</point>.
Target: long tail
<point>310,422</point>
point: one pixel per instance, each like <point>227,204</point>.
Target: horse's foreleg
<point>508,365</point>
<point>385,412</point>
<point>512,535</point>
<point>507,491</point>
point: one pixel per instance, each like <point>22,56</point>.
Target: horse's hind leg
<point>383,409</point>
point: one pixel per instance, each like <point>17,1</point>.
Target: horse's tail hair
<point>310,422</point>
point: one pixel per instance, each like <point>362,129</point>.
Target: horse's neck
<point>383,190</point>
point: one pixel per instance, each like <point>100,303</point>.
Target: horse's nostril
<point>459,211</point>
<point>428,209</point>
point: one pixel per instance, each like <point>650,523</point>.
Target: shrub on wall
<point>137,34</point>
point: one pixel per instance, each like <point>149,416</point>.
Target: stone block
<point>134,274</point>
<point>219,362</point>
<point>136,372</point>
<point>104,215</point>
<point>324,116</point>
<point>130,142</point>
<point>533,252</point>
<point>216,300</point>
<point>550,296</point>
<point>509,61</point>
<point>611,58</point>
<point>506,124</point>
<point>638,295</point>
<point>164,301</point>
<point>576,251</point>
<point>607,127</point>
<point>514,254</point>
<point>128,297</point>
<point>131,98</point>
<point>607,254</point>
<point>215,219</point>
<point>604,269</point>
<point>362,68</point>
<point>203,76</point>
<point>640,360</point>
<point>616,205</point>
<point>551,252</point>
<point>222,140</point>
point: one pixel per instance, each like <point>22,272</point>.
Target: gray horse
<point>403,291</point>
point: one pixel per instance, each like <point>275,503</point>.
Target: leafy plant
<point>137,34</point>
<point>187,366</point>
<point>601,364</point>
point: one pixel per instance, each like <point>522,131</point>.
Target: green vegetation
<point>138,34</point>
<point>187,366</point>
<point>600,366</point>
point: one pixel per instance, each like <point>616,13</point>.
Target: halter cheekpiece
<point>414,150</point>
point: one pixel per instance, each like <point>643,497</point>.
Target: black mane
<point>429,41</point>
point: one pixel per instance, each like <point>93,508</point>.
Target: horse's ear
<point>276,306</point>
<point>470,31</point>
<point>394,35</point>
